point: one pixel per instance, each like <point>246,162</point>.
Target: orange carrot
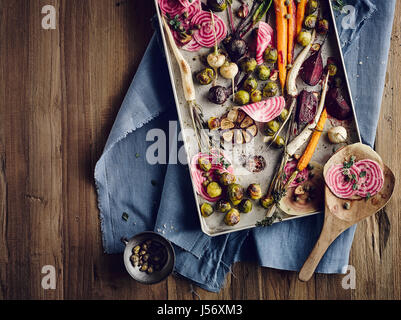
<point>314,140</point>
<point>301,14</point>
<point>282,43</point>
<point>292,26</point>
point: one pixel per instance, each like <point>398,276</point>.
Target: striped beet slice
<point>265,110</point>
<point>205,35</point>
<point>197,173</point>
<point>264,39</point>
<point>185,3</point>
<point>371,178</point>
<point>301,177</point>
<point>338,184</point>
<point>192,46</point>
<point>172,7</point>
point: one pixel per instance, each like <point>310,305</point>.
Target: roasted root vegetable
<point>307,107</point>
<point>292,30</point>
<point>337,106</point>
<point>337,135</point>
<point>282,42</point>
<point>301,14</point>
<point>312,69</point>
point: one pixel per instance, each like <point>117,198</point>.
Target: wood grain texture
<point>59,95</point>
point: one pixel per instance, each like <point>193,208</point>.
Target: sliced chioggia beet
<point>371,178</point>
<point>339,184</point>
<point>301,177</point>
<point>192,46</point>
<point>205,35</point>
<point>265,110</point>
<point>263,40</point>
<point>197,174</point>
<point>171,7</point>
<point>237,127</point>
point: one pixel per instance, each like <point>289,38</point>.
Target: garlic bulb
<point>337,135</point>
<point>229,70</point>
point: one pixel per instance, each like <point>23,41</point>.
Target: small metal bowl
<point>144,277</point>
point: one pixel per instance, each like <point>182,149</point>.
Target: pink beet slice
<point>371,179</point>
<point>338,184</point>
<point>263,40</point>
<point>265,110</point>
<point>172,7</point>
<point>205,35</point>
<point>197,173</point>
<point>301,177</point>
<point>192,46</point>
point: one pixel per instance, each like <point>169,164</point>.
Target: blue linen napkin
<point>159,197</point>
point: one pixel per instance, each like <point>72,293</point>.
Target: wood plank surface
<point>60,93</point>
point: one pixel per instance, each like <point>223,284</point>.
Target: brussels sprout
<point>248,65</point>
<point>266,202</point>
<point>279,142</point>
<point>250,84</point>
<point>232,217</point>
<point>304,38</point>
<point>204,164</point>
<point>242,97</point>
<point>245,206</point>
<point>256,96</point>
<point>270,55</point>
<point>227,178</point>
<point>206,210</point>
<point>213,123</point>
<point>223,206</point>
<point>272,127</point>
<point>323,26</point>
<point>214,190</point>
<point>270,90</point>
<point>235,193</point>
<point>206,76</point>
<point>217,5</point>
<point>312,6</point>
<point>263,72</point>
<point>310,21</point>
<point>255,191</point>
<point>284,115</point>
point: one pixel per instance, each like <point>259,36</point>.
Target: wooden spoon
<point>337,219</point>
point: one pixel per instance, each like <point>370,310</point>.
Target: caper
<point>263,72</point>
<point>347,206</point>
<point>270,90</point>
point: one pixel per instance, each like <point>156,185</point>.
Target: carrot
<point>301,14</point>
<point>314,140</point>
<point>292,28</point>
<point>282,43</point>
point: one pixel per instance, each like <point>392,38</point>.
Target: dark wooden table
<point>60,92</point>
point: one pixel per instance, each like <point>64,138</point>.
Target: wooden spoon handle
<point>329,233</point>
<point>185,69</point>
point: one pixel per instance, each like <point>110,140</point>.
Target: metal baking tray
<point>214,225</point>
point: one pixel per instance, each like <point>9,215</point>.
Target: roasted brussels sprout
<point>255,191</point>
<point>310,21</point>
<point>206,76</point>
<point>242,97</point>
<point>206,210</point>
<point>323,26</point>
<point>272,127</point>
<point>235,193</point>
<point>214,190</point>
<point>250,84</point>
<point>279,142</point>
<point>304,38</point>
<point>232,217</point>
<point>223,206</point>
<point>217,5</point>
<point>245,206</point>
<point>266,202</point>
<point>213,123</point>
<point>270,55</point>
<point>256,96</point>
<point>248,65</point>
<point>204,164</point>
<point>227,178</point>
<point>270,90</point>
<point>263,72</point>
<point>312,6</point>
<point>284,115</point>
